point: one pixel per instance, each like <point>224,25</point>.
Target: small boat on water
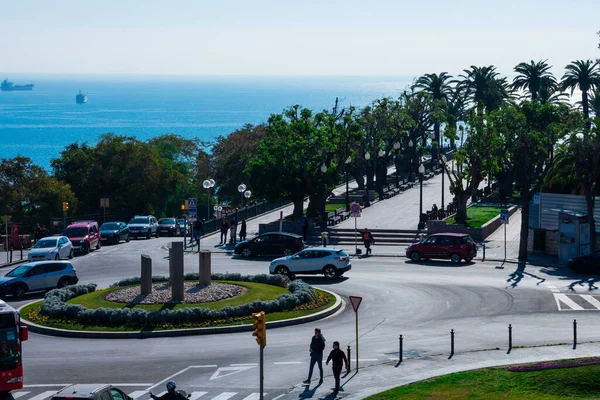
<point>80,98</point>
<point>8,86</point>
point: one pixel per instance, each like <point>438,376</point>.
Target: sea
<point>39,124</point>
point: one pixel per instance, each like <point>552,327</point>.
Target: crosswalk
<point>145,395</point>
<point>577,302</point>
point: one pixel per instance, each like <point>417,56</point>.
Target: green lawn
<point>499,383</point>
<point>477,216</point>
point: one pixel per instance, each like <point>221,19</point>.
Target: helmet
<point>171,385</point>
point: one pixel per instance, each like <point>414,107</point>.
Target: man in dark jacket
<point>171,394</point>
<point>317,345</point>
<point>338,359</point>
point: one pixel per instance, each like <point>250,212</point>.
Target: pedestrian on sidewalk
<point>368,240</point>
<point>304,226</point>
<point>317,345</point>
<point>198,228</point>
<point>224,230</point>
<point>233,233</point>
<point>243,231</point>
<point>338,359</point>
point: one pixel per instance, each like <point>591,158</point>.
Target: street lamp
<point>218,210</point>
<point>348,161</point>
<point>410,146</point>
<point>242,189</point>
<point>421,172</point>
<point>207,184</point>
<point>443,164</point>
<point>247,194</point>
<point>379,182</point>
<point>396,147</point>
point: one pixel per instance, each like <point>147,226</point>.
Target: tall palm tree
<point>532,76</point>
<point>549,92</point>
<point>582,74</point>
<point>455,112</point>
<point>484,86</point>
<point>595,103</point>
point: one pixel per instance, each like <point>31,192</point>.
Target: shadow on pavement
<point>315,280</point>
<point>441,263</point>
<point>519,273</point>
<point>579,278</point>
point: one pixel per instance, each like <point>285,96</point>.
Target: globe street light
<point>443,164</point>
<point>247,194</point>
<point>207,184</point>
<point>380,153</point>
<point>421,225</point>
<point>348,161</point>
<point>218,210</point>
<point>242,189</point>
<point>410,146</point>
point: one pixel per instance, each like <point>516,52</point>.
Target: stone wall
<point>478,234</point>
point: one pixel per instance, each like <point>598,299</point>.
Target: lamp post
<point>396,148</point>
<point>324,216</point>
<point>367,158</point>
<point>218,210</point>
<point>410,146</point>
<point>207,184</point>
<point>421,223</point>
<point>242,189</point>
<point>443,160</point>
<point>346,163</point>
<point>379,182</point>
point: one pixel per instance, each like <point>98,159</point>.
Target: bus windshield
<point>9,347</point>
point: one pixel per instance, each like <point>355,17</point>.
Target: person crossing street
<point>317,345</point>
<point>338,359</point>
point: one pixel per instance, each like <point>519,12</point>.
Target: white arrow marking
<point>229,371</point>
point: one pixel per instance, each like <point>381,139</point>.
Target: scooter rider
<point>171,394</point>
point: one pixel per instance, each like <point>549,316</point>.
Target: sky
<point>306,37</point>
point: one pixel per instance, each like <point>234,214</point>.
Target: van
<point>85,236</point>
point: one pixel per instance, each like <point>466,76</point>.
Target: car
<point>91,392</point>
<point>168,226</point>
<point>51,248</point>
<point>452,246</point>
<point>114,232</point>
<point>328,261</point>
<point>279,243</point>
<point>85,236</point>
<point>184,226</point>
<point>36,276</point>
<point>143,225</point>
<point>589,263</point>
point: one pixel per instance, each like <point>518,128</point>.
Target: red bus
<point>12,336</point>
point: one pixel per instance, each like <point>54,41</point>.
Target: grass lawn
<point>499,383</point>
<point>477,216</point>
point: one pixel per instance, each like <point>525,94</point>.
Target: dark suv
<point>451,246</point>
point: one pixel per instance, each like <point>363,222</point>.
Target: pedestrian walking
<point>243,231</point>
<point>317,345</point>
<point>338,359</point>
<point>224,230</point>
<point>368,240</point>
<point>198,231</point>
<point>304,226</point>
<point>233,233</point>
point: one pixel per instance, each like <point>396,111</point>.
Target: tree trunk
<point>298,207</point>
<point>524,237</point>
<point>359,176</point>
<point>461,207</point>
<point>435,145</point>
<point>586,109</point>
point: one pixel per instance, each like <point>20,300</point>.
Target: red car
<point>85,235</point>
<point>450,246</point>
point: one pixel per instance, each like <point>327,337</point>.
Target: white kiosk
<point>574,235</point>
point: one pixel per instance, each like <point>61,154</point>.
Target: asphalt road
<point>423,302</point>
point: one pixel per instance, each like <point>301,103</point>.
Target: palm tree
<point>549,92</point>
<point>582,74</point>
<point>484,86</point>
<point>595,103</point>
<point>532,76</point>
<point>455,111</point>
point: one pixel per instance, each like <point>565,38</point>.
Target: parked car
<point>452,246</point>
<point>589,263</point>
<point>91,392</point>
<point>271,243</point>
<point>143,225</point>
<point>184,226</point>
<point>314,260</point>
<point>168,226</point>
<point>51,248</point>
<point>114,232</point>
<point>85,235</point>
<point>36,276</point>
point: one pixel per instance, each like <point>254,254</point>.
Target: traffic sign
<point>355,301</point>
<point>355,208</point>
<point>192,215</point>
<point>192,203</point>
<point>504,216</point>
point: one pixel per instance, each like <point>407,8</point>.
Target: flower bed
<point>555,364</point>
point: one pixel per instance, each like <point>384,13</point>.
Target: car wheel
<point>157,233</point>
<point>127,239</point>
<point>415,256</point>
<point>148,234</point>
<point>19,290</point>
<point>246,252</point>
<point>57,257</point>
<point>455,258</point>
<point>468,259</point>
<point>287,252</point>
<point>282,270</point>
<point>98,245</point>
<point>330,272</point>
<point>71,255</point>
<point>86,249</point>
<point>63,282</point>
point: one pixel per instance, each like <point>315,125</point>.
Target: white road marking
<point>178,373</point>
<point>19,394</point>
<point>287,362</point>
<point>553,288</point>
<point>197,395</point>
<point>137,393</point>
<point>254,396</point>
<point>225,396</point>
<point>48,385</point>
<point>162,393</point>
<point>592,300</point>
<point>367,359</point>
<point>243,365</point>
<point>229,371</point>
<point>565,299</point>
<point>278,397</point>
<point>43,395</point>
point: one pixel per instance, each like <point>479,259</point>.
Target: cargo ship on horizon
<point>7,86</point>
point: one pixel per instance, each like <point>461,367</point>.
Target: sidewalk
<point>377,378</point>
<point>16,258</point>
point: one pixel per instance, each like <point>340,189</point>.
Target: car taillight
<point>342,259</point>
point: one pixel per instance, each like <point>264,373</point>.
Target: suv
<point>314,260</point>
<point>452,246</point>
<point>143,225</point>
<point>168,226</point>
<point>38,275</point>
<point>85,235</point>
<point>91,392</point>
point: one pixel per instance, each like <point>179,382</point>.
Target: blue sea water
<point>39,124</point>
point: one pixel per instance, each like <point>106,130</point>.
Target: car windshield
<point>9,353</point>
<point>139,221</point>
<point>109,226</point>
<point>45,243</point>
<point>20,270</point>
<point>167,221</point>
<point>467,239</point>
<point>75,232</point>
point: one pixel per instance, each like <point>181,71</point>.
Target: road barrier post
<point>483,252</point>
<point>400,350</point>
<point>509,337</point>
<point>451,342</point>
<point>349,360</point>
<point>574,333</point>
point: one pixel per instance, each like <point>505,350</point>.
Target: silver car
<point>51,248</point>
<point>91,392</point>
<point>314,260</point>
<point>36,276</point>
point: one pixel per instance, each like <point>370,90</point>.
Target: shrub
<point>276,280</point>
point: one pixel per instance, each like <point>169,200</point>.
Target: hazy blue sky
<point>306,37</point>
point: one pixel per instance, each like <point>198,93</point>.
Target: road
<point>423,302</point>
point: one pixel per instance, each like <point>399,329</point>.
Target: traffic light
<point>65,206</point>
<point>260,328</point>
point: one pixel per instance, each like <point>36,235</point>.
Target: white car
<point>51,248</point>
<point>314,260</point>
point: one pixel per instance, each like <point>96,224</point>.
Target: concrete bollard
<point>204,274</point>
<point>146,274</point>
<point>176,262</point>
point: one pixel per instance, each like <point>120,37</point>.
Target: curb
<point>44,330</point>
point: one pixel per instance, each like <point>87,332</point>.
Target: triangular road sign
<point>226,371</point>
<point>192,202</point>
<point>355,301</point>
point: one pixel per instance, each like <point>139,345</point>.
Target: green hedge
<point>55,304</point>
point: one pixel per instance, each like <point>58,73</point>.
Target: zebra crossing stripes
<point>145,394</point>
<point>197,395</point>
<point>42,395</point>
<point>137,393</point>
<point>224,396</point>
<point>19,394</point>
<point>577,302</point>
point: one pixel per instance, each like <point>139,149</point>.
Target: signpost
<point>6,219</point>
<point>504,219</point>
<point>192,210</point>
<point>355,301</point>
<point>355,211</point>
<point>104,203</point>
